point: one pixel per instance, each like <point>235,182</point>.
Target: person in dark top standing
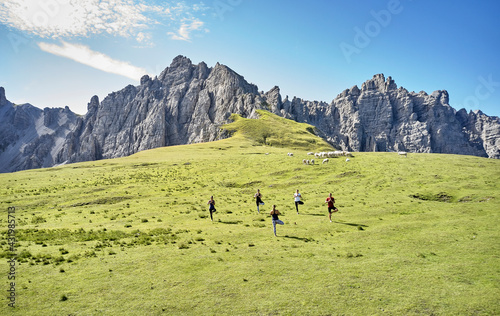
<point>331,206</point>
<point>211,208</point>
<point>258,200</point>
<point>274,213</point>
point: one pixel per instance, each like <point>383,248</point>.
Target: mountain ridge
<point>31,137</point>
<point>188,103</point>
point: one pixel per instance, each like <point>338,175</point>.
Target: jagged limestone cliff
<point>185,104</point>
<point>382,117</point>
<point>30,137</point>
<point>188,103</point>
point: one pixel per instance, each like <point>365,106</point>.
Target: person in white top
<point>297,197</point>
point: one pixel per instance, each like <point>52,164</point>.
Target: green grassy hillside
<point>414,236</point>
<point>273,130</point>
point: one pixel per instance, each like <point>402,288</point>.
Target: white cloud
<point>86,56</point>
<point>58,19</point>
<point>67,18</point>
<point>185,30</point>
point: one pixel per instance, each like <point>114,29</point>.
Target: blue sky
<point>55,53</point>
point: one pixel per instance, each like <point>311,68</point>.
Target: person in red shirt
<point>331,207</point>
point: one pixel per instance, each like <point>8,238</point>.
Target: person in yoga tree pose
<point>274,213</point>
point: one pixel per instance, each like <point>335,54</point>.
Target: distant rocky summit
<point>382,117</point>
<point>30,137</point>
<point>185,104</point>
<point>188,103</point>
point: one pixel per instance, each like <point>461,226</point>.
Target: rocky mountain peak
<point>225,76</point>
<point>3,99</point>
<point>145,79</point>
<point>225,71</point>
<point>353,92</point>
<point>477,112</point>
<point>180,62</point>
<point>188,103</point>
<point>379,83</point>
<point>30,137</point>
<point>274,93</point>
<point>273,98</point>
<point>442,96</point>
<point>181,66</point>
<point>202,70</point>
<point>93,104</point>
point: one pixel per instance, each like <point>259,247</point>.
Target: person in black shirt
<point>258,200</point>
<point>211,208</point>
<point>274,213</point>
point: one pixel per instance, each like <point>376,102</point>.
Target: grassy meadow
<point>133,236</point>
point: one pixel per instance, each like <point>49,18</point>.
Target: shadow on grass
<point>351,224</point>
<point>230,222</point>
<point>297,238</point>
<point>316,214</point>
